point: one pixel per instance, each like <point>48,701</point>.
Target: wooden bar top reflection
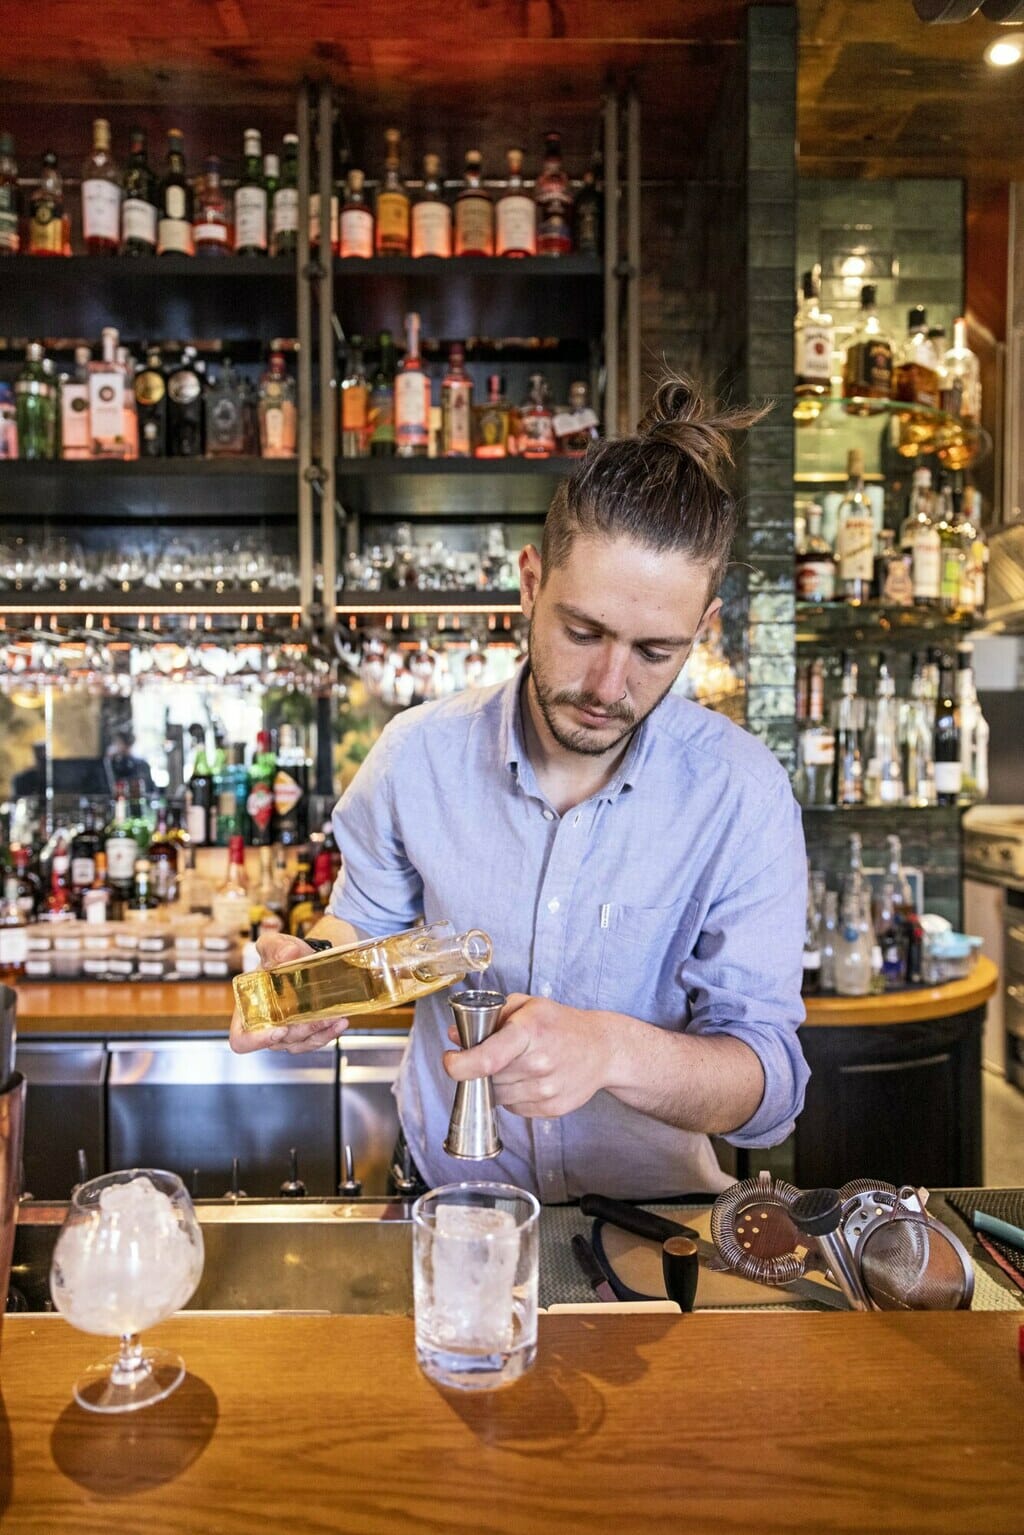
<point>747,1424</point>
<point>134,1008</point>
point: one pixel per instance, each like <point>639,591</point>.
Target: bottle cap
<point>515,161</point>
<point>917,319</point>
<point>867,296</point>
<point>355,180</point>
<point>431,165</point>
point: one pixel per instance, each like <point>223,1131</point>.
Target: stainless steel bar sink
<point>332,1256</point>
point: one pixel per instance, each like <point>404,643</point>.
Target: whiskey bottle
<point>431,215</point>
<point>151,406</point>
<point>553,197</point>
<point>867,369</point>
<point>360,978</point>
<point>121,846</point>
<point>588,214</point>
<point>392,203</point>
<point>302,908</point>
<point>10,233</point>
<point>916,375</point>
<point>456,406</point>
<point>75,437</point>
<point>576,428</point>
<point>515,213</point>
<point>211,222</point>
<point>284,207</point>
<point>355,437</point>
<point>251,200</point>
<point>491,424</point>
<point>278,419</point>
<point>356,219</point>
<point>47,230</point>
<point>101,195</point>
<point>474,212</point>
<point>138,210</point>
<point>813,336</point>
<point>174,202</point>
<point>815,563</point>
<point>855,536</point>
<point>536,429</point>
<point>412,397</point>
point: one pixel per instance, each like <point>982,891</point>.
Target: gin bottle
<point>360,978</point>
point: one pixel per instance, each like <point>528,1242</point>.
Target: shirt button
<point>549,815</point>
<point>545,990</point>
<point>554,903</point>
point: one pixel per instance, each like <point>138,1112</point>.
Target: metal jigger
<point>473,1130</point>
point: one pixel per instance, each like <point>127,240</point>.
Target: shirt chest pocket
<point>643,949</point>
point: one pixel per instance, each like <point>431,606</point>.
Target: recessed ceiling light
<point>1004,52</point>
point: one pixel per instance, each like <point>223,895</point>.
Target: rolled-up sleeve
<point>378,891</point>
<point>743,975</point>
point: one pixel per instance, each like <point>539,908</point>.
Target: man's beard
<point>582,741</point>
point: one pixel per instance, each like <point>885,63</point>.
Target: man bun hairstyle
<point>666,486</point>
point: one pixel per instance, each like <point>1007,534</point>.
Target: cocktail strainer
<point>909,1262</point>
<point>754,1234</point>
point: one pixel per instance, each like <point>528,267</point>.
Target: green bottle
<point>35,407</point>
<point>382,401</point>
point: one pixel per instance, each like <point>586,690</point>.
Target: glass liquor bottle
<point>107,400</point>
<point>278,419</point>
<point>121,846</point>
<point>456,406</point>
<point>143,898</point>
<point>224,404</point>
<point>392,202</point>
<point>230,907</point>
<point>431,215</point>
<point>271,181</point>
<point>75,440</point>
<point>491,421</point>
<point>211,221</point>
<point>259,804</point>
<point>381,422</point>
<point>827,939</point>
<point>919,540</point>
<point>972,723</point>
<point>85,844</point>
<point>813,336</point>
<point>951,551</point>
<point>867,367</point>
<point>151,406</point>
<point>907,920</point>
<point>553,197</point>
<point>101,195</point>
<point>138,210</point>
<point>536,422</point>
<point>886,762</point>
<point>916,375</point>
<point>355,403</point>
<point>10,231</point>
<point>961,392</point>
<point>946,750</point>
<point>588,214</point>
<point>291,790</point>
<point>126,363</point>
<point>47,230</point>
<point>185,409</point>
<point>163,859</point>
<point>301,910</point>
<point>35,407</point>
<point>360,978</point>
<point>515,213</point>
<point>848,770</point>
<point>815,563</point>
<point>13,938</point>
<point>174,202</point>
<point>284,207</point>
<point>412,397</point>
<point>474,212</point>
<point>817,744</point>
<point>855,535</point>
<point>356,219</point>
<point>974,579</point>
<point>251,199</point>
<point>576,427</point>
<point>916,734</point>
<point>810,984</point>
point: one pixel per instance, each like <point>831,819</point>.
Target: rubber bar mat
<point>1004,1204</point>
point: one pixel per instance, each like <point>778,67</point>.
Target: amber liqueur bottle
<point>868,368</point>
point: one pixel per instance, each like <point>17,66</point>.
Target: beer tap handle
<point>350,1186</point>
<point>293,1186</point>
<point>235,1192</point>
<point>195,1183</point>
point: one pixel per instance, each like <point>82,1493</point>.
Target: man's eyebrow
<point>671,642</point>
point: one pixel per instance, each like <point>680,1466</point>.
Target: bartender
<point>637,860</point>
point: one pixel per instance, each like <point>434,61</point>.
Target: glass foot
<point>124,1384</point>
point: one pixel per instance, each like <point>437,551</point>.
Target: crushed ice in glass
<point>475,1253</point>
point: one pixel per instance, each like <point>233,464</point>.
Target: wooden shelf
<point>34,470</point>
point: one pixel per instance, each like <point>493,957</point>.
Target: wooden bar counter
<point>754,1424</point>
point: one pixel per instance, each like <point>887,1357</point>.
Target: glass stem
<point>130,1366</point>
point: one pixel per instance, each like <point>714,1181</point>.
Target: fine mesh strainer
<point>909,1262</point>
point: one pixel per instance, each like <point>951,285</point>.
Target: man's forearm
<point>709,1083</point>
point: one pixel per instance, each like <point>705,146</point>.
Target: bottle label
<point>818,748</point>
<point>856,549</point>
<point>46,231</point>
<point>899,587</point>
<point>949,585</point>
<point>150,387</point>
<point>492,434</point>
<point>74,421</point>
<point>83,871</point>
<point>260,806</point>
<point>927,563</point>
<point>381,418</point>
<point>412,416</point>
<point>195,825</point>
<point>869,369</point>
<point>251,218</point>
<point>106,405</point>
<point>286,210</point>
<point>812,959</point>
<point>474,225</point>
<point>948,777</point>
<point>357,233</point>
<point>138,221</point>
<point>431,229</point>
<point>210,233</point>
<point>9,239</point>
<point>392,218</point>
<point>456,432</point>
<point>174,234</point>
<point>121,855</point>
<point>287,793</point>
<point>184,386</point>
<point>101,210</point>
<point>314,220</point>
<point>515,220</point>
<point>554,236</point>
<point>816,581</point>
<point>353,408</point>
<point>814,353</point>
<point>569,423</point>
<point>13,946</point>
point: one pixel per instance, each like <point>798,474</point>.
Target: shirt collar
<point>513,741</point>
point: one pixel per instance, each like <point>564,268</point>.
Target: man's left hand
<point>545,1059</point>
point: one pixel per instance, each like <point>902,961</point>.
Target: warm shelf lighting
<point>1004,52</point>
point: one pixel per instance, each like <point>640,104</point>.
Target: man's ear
<point>529,578</point>
<point>710,614</point>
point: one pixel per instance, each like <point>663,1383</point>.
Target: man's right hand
<point>295,1038</point>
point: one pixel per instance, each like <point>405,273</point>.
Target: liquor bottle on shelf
<point>381,421</point>
<point>10,231</point>
<point>855,536</point>
<point>816,746</point>
<point>355,437</point>
<point>75,435</point>
<point>392,202</point>
<point>107,389</point>
<point>224,407</point>
<point>588,214</point>
<point>230,907</point>
<point>916,375</point>
<point>259,804</point>
<point>211,221</point>
<point>271,181</point>
<point>151,405</point>
<point>553,197</point>
<point>200,810</point>
<point>121,845</point>
<point>138,209</point>
<point>291,790</point>
<point>13,938</point>
<point>356,219</point>
<point>890,940</point>
<point>474,212</point>
<point>974,573</point>
<point>886,766</point>
<point>919,540</point>
<point>431,215</point>
<point>163,860</point>
<point>85,845</point>
<point>302,907</point>
<point>174,202</point>
<point>907,921</point>
<point>412,397</point>
<point>101,195</point>
<point>284,206</point>
<point>961,391</point>
<point>35,407</point>
<point>916,738</point>
<point>951,551</point>
<point>576,427</point>
<point>98,901</point>
<point>278,418</point>
<point>515,213</point>
<point>230,787</point>
<point>974,731</point>
<point>8,424</point>
<point>946,753</point>
<point>810,984</point>
<point>251,199</point>
<point>48,233</point>
<point>853,946</point>
<point>126,363</point>
<point>456,406</point>
<point>827,939</point>
<point>848,769</point>
<point>536,422</point>
<point>185,409</point>
<point>813,334</point>
<point>143,898</point>
<point>867,367</point>
<point>59,900</point>
<point>29,892</point>
<point>491,422</point>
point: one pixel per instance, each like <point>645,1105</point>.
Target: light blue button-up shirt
<point>676,895</point>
